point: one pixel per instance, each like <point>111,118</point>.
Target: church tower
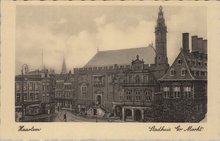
<point>161,40</point>
<point>64,70</point>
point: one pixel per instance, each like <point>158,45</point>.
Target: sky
<point>76,32</point>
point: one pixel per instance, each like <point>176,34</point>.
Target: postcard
<point>131,70</point>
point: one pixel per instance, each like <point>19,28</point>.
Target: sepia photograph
<point>111,63</point>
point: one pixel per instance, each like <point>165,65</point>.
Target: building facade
<point>184,86</point>
<point>34,95</point>
<point>124,82</point>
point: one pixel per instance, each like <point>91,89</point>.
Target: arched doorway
<point>137,115</point>
<point>99,99</point>
<point>128,114</point>
<point>118,111</point>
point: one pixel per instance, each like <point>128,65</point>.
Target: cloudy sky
<point>77,31</point>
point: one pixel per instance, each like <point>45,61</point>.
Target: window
<point>137,79</point>
<point>98,80</point>
<point>84,90</point>
<point>36,86</point>
<point>121,93</point>
<point>25,96</point>
<point>138,96</point>
<point>172,72</point>
<point>179,61</point>
<point>166,92</point>
<point>148,95</point>
<point>18,97</point>
<point>25,87</point>
<point>130,79</point>
<point>146,79</point>
<point>43,97</point>
<point>176,92</point>
<point>128,95</point>
<point>17,86</point>
<point>47,97</point>
<point>183,72</point>
<point>187,92</point>
<point>31,96</point>
<point>36,96</point>
<point>31,86</point>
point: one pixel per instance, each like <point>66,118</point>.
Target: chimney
<point>205,46</point>
<point>195,44</point>
<point>185,41</point>
<point>200,45</point>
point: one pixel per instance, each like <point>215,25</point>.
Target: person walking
<point>64,117</point>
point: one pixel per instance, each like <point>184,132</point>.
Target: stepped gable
<point>121,57</point>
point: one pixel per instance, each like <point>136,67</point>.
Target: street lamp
<point>24,67</point>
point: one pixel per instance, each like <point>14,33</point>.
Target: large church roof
<point>122,56</point>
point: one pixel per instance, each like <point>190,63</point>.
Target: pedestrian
<point>64,117</point>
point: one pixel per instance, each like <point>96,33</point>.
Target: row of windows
<point>45,97</point>
<point>136,79</point>
<point>199,73</point>
<point>30,86</point>
<point>173,72</point>
<point>63,94</point>
<point>193,62</point>
<point>187,92</point>
<point>32,97</point>
<point>137,95</point>
<point>136,98</point>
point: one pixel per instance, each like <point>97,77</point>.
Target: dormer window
<point>179,61</point>
<point>183,72</point>
<point>172,72</point>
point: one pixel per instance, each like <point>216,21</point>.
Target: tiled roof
<point>122,56</point>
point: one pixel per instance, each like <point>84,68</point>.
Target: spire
<point>160,19</point>
<point>64,70</point>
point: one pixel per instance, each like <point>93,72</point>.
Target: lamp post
<point>24,66</point>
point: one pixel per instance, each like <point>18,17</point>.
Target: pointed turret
<point>64,70</point>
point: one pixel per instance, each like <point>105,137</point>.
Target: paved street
<point>74,118</point>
